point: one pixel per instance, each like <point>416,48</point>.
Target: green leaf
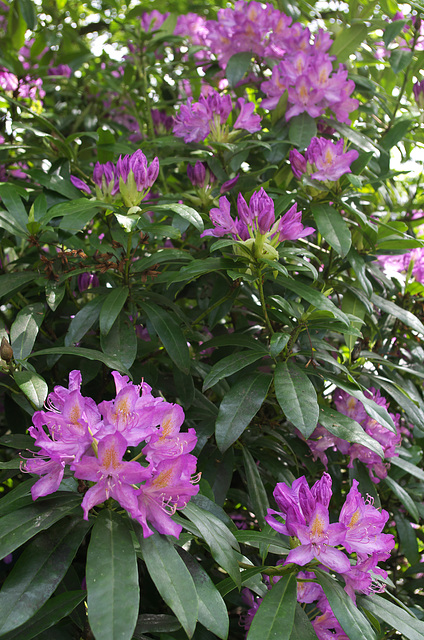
<point>314,297</point>
<point>212,609</point>
<point>33,385</point>
<point>358,265</point>
<point>90,354</point>
<point>39,570</point>
<point>237,67</point>
<point>19,497</point>
<point>352,621</point>
<point>226,586</point>
<point>170,333</point>
<point>352,305</point>
<point>396,133</point>
<point>400,59</point>
<point>112,578</point>
<point>73,210</point>
<point>302,628</point>
<point>29,13</point>
<point>258,539</point>
<point>188,213</point>
<point>395,616</point>
<point>403,315</point>
<point>392,30</point>
<point>13,203</point>
<point>17,441</point>
<point>239,406</point>
<point>410,468</point>
<point>24,329</point>
<point>348,41</point>
<point>256,489</point>
<point>345,428</point>
<point>217,535</point>
<point>407,538</point>
<point>278,342</point>
<point>296,396</point>
<point>404,497</point>
<point>229,365</point>
<point>159,623</point>
<point>171,577</point>
<point>121,341</point>
<point>83,321</point>
<point>275,616</point>
<point>11,282</point>
<point>52,612</point>
<point>332,227</point>
<point>111,308</point>
<point>16,26</point>
<point>18,527</point>
<point>55,293</point>
<point>302,129</point>
<point>106,138</point>
<point>58,184</point>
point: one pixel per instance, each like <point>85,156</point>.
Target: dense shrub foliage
<point>212,284</point>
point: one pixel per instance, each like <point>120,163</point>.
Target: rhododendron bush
<point>212,285</point>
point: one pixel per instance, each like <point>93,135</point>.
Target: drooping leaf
<point>237,66</point>
<point>170,333</point>
<point>33,385</point>
<point>348,429</point>
<point>229,365</point>
<point>399,619</point>
<point>83,321</point>
<point>239,406</point>
<point>90,354</point>
<point>255,487</point>
<point>404,497</point>
<point>314,297</point>
<point>332,227</point>
<point>171,577</point>
<point>24,329</point>
<point>275,616</point>
<point>112,578</point>
<point>302,627</point>
<point>296,396</point>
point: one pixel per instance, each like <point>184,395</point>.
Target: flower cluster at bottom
<point>92,440</point>
<point>305,512</point>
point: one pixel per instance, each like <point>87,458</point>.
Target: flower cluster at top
<point>92,440</point>
<point>402,263</point>
<point>208,118</point>
<point>321,439</point>
<point>323,160</point>
<point>305,512</point>
<point>131,179</point>
<point>255,225</point>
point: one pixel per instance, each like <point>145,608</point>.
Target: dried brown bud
<point>6,351</point>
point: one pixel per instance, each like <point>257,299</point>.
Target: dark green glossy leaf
<point>255,487</point>
<point>187,213</point>
<point>239,406</point>
<point>408,467</point>
<point>21,525</point>
<point>11,282</point>
<point>170,333</point>
<point>302,129</point>
<point>408,538</point>
<point>54,610</point>
<point>302,628</point>
<point>39,570</point>
<point>33,385</point>
<point>217,535</point>
<point>399,619</point>
<point>111,308</point>
<point>83,321</point>
<point>72,212</point>
<point>212,609</point>
<point>24,329</point>
<point>226,586</point>
<point>237,66</point>
<point>171,577</point>
<point>296,396</point>
<point>347,429</point>
<point>332,227</point>
<point>403,315</point>
<point>90,354</point>
<point>404,497</point>
<point>314,297</point>
<point>396,133</point>
<point>29,13</point>
<point>229,365</point>
<point>159,623</point>
<point>121,341</point>
<point>352,621</point>
<point>278,342</point>
<point>275,616</point>
<point>19,497</point>
<point>112,578</point>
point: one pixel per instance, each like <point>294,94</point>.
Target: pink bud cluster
<point>305,512</point>
<point>323,160</point>
<point>208,117</point>
<point>321,439</point>
<point>91,440</point>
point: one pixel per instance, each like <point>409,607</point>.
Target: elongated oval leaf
<point>403,315</point>
<point>212,609</point>
<point>255,487</point>
<point>188,213</point>
<point>229,365</point>
<point>112,579</point>
<point>90,354</point>
<point>395,616</point>
<point>11,282</point>
<point>348,41</point>
<point>171,577</point>
<point>111,308</point>
<point>24,329</point>
<point>314,297</point>
<point>34,386</point>
<point>83,321</point>
<point>239,406</point>
<point>275,616</point>
<point>404,497</point>
<point>237,66</point>
<point>347,429</point>
<point>170,333</point>
<point>297,397</point>
<point>121,341</point>
<point>302,129</point>
<point>39,570</point>
<point>332,227</point>
<point>352,621</point>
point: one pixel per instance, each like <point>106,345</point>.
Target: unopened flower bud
<point>6,351</point>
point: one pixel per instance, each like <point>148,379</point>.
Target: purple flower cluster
<point>323,160</point>
<point>131,178</point>
<point>400,264</point>
<point>256,222</point>
<point>321,439</point>
<point>200,175</point>
<point>306,520</point>
<point>92,440</point>
<point>208,117</point>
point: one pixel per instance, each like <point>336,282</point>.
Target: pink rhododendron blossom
<point>323,160</point>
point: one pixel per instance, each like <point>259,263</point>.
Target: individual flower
<point>323,160</point>
<point>135,177</point>
<point>87,281</point>
<point>200,175</point>
<point>418,90</point>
